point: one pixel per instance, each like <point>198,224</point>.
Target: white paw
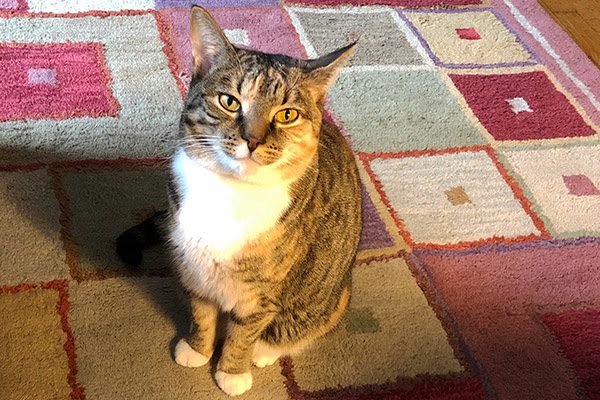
<point>264,354</point>
<point>234,384</point>
<point>188,357</point>
<point>262,361</point>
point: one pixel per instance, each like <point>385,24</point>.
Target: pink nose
<point>252,141</point>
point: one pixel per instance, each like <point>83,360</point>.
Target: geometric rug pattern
<point>476,129</point>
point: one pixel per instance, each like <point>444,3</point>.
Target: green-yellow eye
<point>287,116</point>
<point>229,103</point>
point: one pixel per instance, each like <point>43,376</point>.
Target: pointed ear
<point>323,71</point>
<point>210,46</point>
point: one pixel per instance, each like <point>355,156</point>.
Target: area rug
<point>475,125</point>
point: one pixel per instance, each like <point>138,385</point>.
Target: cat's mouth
<point>241,152</point>
<point>243,156</point>
<point>246,163</point>
<point>241,162</point>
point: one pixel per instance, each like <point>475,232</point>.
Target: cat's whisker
<point>203,142</point>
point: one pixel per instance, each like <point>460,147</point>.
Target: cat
<point>264,215</point>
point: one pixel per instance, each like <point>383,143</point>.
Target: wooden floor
<point>581,19</point>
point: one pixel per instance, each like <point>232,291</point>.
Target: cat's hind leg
<point>196,350</point>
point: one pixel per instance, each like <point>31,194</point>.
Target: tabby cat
<point>265,206</point>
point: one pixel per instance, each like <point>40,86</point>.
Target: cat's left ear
<point>210,46</point>
<point>323,71</point>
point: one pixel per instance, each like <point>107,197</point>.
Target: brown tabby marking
<point>265,211</point>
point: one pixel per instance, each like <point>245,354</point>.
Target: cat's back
<point>323,240</point>
<point>339,181</point>
<point>328,228</point>
<point>336,156</point>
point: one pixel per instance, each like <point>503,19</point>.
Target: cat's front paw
<point>234,384</point>
<point>188,357</point>
<point>262,360</point>
<point>264,355</point>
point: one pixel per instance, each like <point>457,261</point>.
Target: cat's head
<point>252,116</point>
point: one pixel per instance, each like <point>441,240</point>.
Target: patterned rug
<point>475,123</point>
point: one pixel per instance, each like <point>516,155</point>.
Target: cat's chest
<point>218,215</point>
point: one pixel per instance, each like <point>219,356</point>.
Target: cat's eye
<point>229,103</point>
<point>287,116</point>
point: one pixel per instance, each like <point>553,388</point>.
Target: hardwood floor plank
<point>581,20</point>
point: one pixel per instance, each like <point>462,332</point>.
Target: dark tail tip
<point>134,240</point>
<point>129,248</point>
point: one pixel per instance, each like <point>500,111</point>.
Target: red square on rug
<point>521,106</point>
<point>57,81</point>
<point>468,33</point>
<point>578,334</point>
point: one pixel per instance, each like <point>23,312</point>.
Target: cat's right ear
<point>322,71</point>
<point>210,46</point>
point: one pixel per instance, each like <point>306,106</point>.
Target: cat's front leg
<point>199,346</point>
<point>233,371</point>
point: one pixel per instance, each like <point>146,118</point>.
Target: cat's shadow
<point>34,185</point>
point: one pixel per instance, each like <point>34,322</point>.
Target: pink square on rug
<point>266,29</point>
<point>548,113</point>
<point>57,81</point>
<point>8,4</point>
<point>41,76</point>
<point>580,185</point>
<point>578,334</point>
<point>13,5</point>
<point>468,33</point>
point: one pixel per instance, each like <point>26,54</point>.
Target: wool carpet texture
<point>476,129</point>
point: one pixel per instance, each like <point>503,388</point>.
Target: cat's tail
<point>134,240</point>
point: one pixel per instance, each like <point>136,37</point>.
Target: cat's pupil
<point>287,114</point>
<point>229,101</point>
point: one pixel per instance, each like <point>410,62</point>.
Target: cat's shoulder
<point>187,173</point>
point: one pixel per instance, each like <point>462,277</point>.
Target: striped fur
<point>269,236</point>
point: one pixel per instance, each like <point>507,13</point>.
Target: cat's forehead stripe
<point>259,84</point>
<point>251,86</point>
<point>249,90</point>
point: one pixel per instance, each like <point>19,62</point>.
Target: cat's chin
<point>251,171</point>
<point>235,167</point>
<point>248,167</point>
<point>245,169</point>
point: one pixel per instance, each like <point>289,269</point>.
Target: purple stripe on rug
<point>213,3</point>
<point>374,234</point>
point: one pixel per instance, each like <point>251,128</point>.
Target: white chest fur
<point>217,217</point>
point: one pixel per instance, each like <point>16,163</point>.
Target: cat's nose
<point>253,141</point>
